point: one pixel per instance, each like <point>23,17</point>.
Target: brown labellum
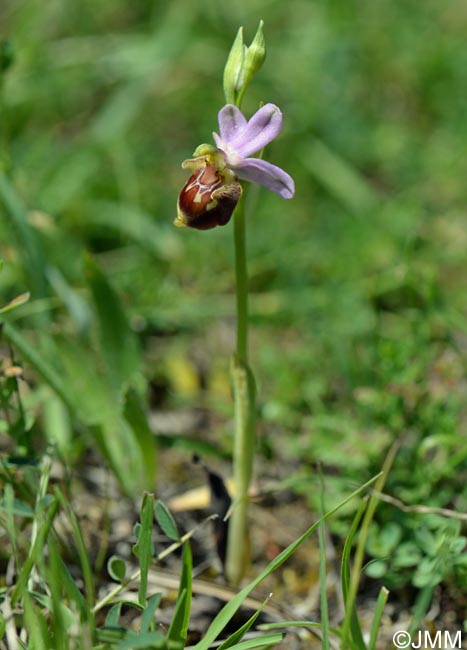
<point>207,199</point>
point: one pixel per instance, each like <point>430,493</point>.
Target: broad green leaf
<point>116,568</point>
<point>166,521</point>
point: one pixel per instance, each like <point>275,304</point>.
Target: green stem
<point>241,276</point>
<point>244,406</point>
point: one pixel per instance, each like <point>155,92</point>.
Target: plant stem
<point>241,276</point>
<point>244,406</point>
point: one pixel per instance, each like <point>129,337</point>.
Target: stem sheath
<point>244,406</point>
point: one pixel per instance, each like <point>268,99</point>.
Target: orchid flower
<point>239,139</point>
<point>209,197</point>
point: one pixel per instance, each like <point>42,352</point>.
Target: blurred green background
<point>358,299</point>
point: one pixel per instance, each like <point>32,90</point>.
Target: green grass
<point>357,285</point>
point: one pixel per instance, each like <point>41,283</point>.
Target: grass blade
<point>152,640</point>
<point>380,605</point>
<point>240,633</point>
<point>322,569</point>
<point>39,362</point>
<point>360,552</point>
<point>178,630</point>
<point>259,642</point>
<point>28,242</point>
<point>306,624</point>
<point>16,302</point>
<point>355,628</point>
<point>81,547</point>
<point>147,618</point>
<point>226,613</point>
<point>21,583</point>
<point>143,547</point>
<point>39,638</point>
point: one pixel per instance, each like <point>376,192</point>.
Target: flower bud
<point>253,59</point>
<point>210,195</point>
<point>233,68</point>
<point>242,64</point>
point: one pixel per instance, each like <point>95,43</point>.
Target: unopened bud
<point>254,57</point>
<point>233,68</point>
<point>242,64</point>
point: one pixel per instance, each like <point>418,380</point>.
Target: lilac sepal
<point>264,173</point>
<point>240,138</point>
<point>246,138</point>
<point>264,126</point>
<point>231,121</point>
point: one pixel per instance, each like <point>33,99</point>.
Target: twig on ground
<point>419,509</point>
